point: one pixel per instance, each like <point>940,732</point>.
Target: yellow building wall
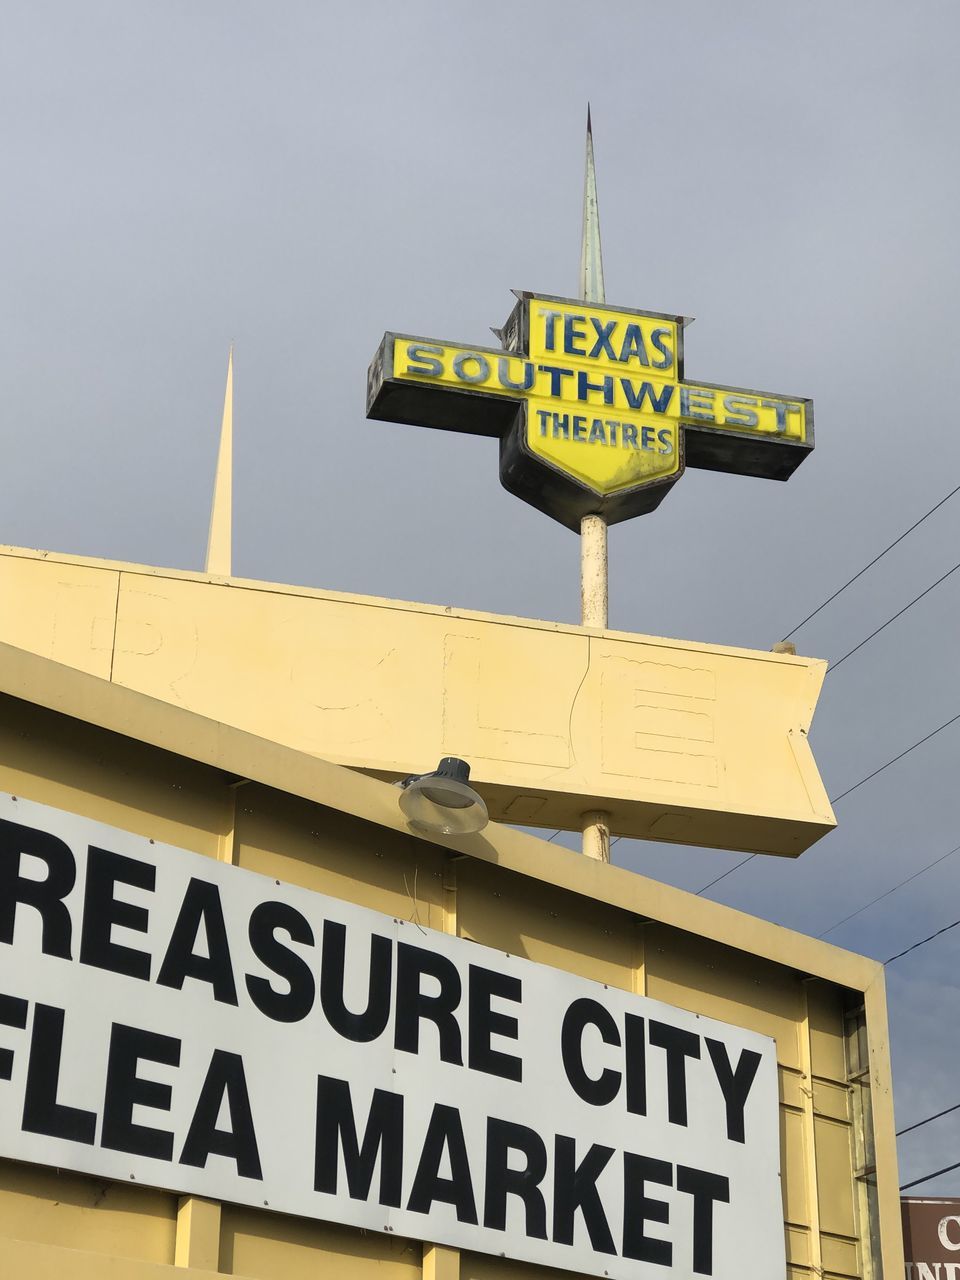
<point>73,1228</point>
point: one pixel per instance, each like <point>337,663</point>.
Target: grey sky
<point>299,177</point>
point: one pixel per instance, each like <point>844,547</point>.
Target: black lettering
<point>126,1090</point>
<point>201,905</point>
<point>483,1022</point>
<point>365,1026</point>
<point>101,911</point>
<point>735,1085</point>
<point>42,1113</point>
<point>444,1135</point>
<point>13,1013</point>
<point>412,1005</point>
<point>635,1060</point>
<point>383,1137</point>
<point>706,1189</point>
<point>575,1187</point>
<point>581,1014</point>
<point>295,1003</point>
<point>639,1209</point>
<point>678,1045</point>
<point>225,1079</point>
<point>45,896</point>
<point>502,1181</point>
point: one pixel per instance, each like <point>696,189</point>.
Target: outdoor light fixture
<point>443,801</point>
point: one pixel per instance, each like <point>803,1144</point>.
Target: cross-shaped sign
<point>590,405</point>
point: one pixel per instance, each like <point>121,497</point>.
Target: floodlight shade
<point>443,801</point>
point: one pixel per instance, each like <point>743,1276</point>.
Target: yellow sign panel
<point>678,742</point>
<point>597,394</point>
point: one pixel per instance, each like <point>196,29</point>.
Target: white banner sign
<point>171,1020</point>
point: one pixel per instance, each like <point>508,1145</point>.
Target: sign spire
<point>591,257</point>
<point>219,541</point>
<point>593,528</point>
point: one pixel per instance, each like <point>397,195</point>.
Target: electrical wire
<point>933,733</point>
<point>923,942</point>
<point>880,897</point>
<point>851,581</point>
<point>920,1123</point>
<point>836,799</point>
<point>928,1177</point>
<point>729,872</point>
<point>884,625</point>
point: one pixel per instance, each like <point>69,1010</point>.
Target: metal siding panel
<point>551,927</point>
<point>825,1006</point>
<point>831,1100</point>
<point>67,1209</point>
<point>796,1205</point>
<point>56,761</point>
<point>294,841</point>
<point>271,1246</point>
<point>840,1256</point>
<point>835,1178</point>
<point>708,978</point>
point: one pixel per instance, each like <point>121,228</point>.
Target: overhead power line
<point>919,743</point>
<point>880,896</point>
<point>883,626</point>
<point>861,572</point>
<point>923,942</point>
<point>729,872</point>
<point>920,1123</point>
<point>835,799</point>
<point>928,1177</point>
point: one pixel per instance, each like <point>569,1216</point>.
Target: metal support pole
<point>593,609</point>
<point>593,529</point>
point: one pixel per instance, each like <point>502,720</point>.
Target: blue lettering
<point>426,366</point>
<point>633,345</point>
<point>739,413</point>
<point>612,426</point>
<point>635,399</point>
<point>628,435</point>
<point>503,373</point>
<point>696,403</point>
<point>658,340</point>
<point>579,427</point>
<point>781,409</point>
<point>463,358</point>
<point>666,440</point>
<point>602,343</point>
<point>544,417</point>
<point>585,386</point>
<point>561,426</point>
<point>597,433</point>
<point>556,377</point>
<point>646,437</point>
<point>550,328</point>
<point>571,332</point>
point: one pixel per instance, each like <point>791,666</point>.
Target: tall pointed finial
<point>591,258</point>
<point>220,540</point>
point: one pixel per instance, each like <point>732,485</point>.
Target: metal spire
<point>591,258</point>
<point>219,542</point>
